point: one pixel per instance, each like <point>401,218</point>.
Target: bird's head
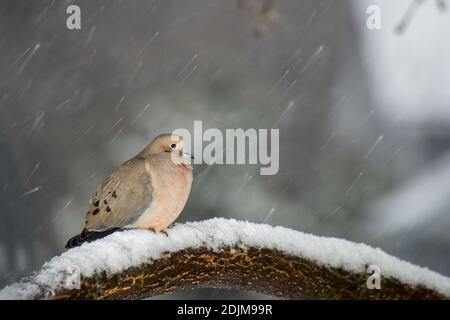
<point>166,143</point>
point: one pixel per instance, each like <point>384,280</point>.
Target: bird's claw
<point>164,232</point>
<point>161,231</point>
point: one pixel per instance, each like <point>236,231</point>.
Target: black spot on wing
<point>96,211</point>
<point>108,209</point>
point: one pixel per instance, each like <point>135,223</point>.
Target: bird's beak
<point>188,155</point>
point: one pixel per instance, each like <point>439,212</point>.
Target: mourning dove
<point>148,191</point>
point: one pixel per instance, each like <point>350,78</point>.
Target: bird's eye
<point>173,146</point>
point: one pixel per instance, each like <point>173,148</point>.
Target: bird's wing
<point>121,198</point>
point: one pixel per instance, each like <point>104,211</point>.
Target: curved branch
<point>260,270</point>
<point>222,253</point>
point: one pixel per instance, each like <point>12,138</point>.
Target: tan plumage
<point>121,198</point>
<point>148,191</point>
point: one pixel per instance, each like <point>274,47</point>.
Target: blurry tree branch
<point>411,12</point>
<point>266,11</point>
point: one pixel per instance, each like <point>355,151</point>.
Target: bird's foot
<point>161,231</point>
<point>164,232</point>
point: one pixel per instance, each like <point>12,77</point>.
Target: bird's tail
<point>88,236</point>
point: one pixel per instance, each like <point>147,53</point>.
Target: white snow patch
<point>122,250</point>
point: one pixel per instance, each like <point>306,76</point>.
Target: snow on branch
<point>222,253</point>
